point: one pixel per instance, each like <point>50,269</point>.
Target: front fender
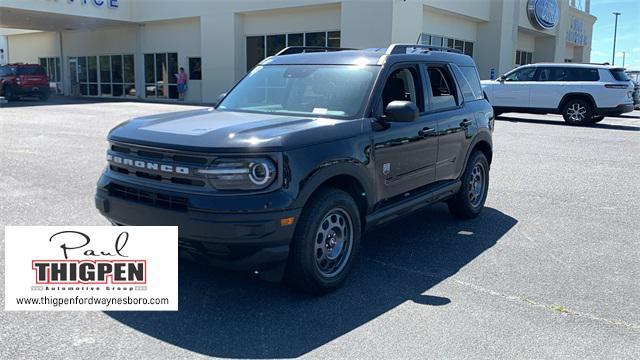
<point>331,169</point>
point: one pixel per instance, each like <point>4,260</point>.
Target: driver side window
<point>402,85</point>
<point>524,74</point>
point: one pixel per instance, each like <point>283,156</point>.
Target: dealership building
<point>133,48</point>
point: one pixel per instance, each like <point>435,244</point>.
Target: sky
<point>628,38</point>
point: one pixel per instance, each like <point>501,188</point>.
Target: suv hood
<point>209,130</point>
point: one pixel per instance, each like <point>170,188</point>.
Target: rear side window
<point>443,91</point>
<point>468,81</point>
<point>557,73</point>
<point>619,74</point>
<point>552,74</point>
<point>582,74</point>
<point>31,70</point>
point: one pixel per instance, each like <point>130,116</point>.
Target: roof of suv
<point>368,57</point>
<point>580,65</point>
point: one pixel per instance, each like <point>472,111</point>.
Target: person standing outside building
<point>182,83</point>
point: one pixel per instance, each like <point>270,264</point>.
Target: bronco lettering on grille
<point>148,165</point>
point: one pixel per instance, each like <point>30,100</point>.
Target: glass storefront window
<point>160,80</point>
<point>195,68</point>
<point>52,67</point>
<point>92,64</point>
<point>261,46</point>
<point>129,69</point>
<point>315,39</point>
<point>82,69</point>
<point>255,50</point>
<point>297,39</point>
<point>102,75</point>
<point>275,43</point>
<point>116,68</point>
<point>333,39</point>
<point>466,47</point>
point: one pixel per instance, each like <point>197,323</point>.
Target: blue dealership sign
<point>543,14</point>
<point>112,4</point>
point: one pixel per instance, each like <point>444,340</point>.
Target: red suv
<point>18,80</point>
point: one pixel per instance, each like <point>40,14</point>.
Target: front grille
<point>159,154</point>
<point>149,197</point>
<point>158,157</point>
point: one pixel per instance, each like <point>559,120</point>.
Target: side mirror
<point>501,79</point>
<point>402,111</point>
<point>220,97</point>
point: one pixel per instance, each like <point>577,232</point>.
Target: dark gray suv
<point>310,149</point>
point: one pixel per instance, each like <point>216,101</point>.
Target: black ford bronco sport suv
<point>310,149</point>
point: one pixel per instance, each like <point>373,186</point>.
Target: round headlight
<point>260,173</point>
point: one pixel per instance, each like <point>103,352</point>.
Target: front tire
<point>469,200</point>
<point>9,93</point>
<point>326,240</point>
<point>577,112</point>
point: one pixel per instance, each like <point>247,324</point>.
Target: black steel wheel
<point>469,200</point>
<point>325,242</point>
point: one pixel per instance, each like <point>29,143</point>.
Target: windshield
<point>31,70</point>
<point>317,90</point>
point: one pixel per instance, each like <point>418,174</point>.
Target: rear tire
<point>577,111</point>
<point>44,96</point>
<point>597,119</point>
<point>469,200</point>
<point>325,242</point>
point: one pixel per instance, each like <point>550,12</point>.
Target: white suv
<point>582,93</point>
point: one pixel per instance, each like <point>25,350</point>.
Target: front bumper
<point>237,240</point>
<point>32,90</point>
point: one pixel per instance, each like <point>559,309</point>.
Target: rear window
<point>469,82</point>
<point>619,74</point>
<point>31,70</point>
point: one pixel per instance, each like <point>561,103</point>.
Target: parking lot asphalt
<point>549,270</point>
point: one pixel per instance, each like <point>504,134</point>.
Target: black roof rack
<point>402,48</point>
<point>304,49</point>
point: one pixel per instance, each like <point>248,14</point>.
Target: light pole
<point>615,33</point>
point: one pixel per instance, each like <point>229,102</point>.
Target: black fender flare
<point>331,169</point>
<point>482,136</point>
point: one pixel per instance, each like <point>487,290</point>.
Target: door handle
<point>465,123</point>
<point>424,132</point>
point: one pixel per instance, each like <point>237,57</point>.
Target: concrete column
<point>220,61</point>
<point>4,45</point>
<point>500,34</point>
<point>407,21</point>
<point>374,28</point>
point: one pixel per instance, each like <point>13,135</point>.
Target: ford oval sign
<point>543,14</point>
